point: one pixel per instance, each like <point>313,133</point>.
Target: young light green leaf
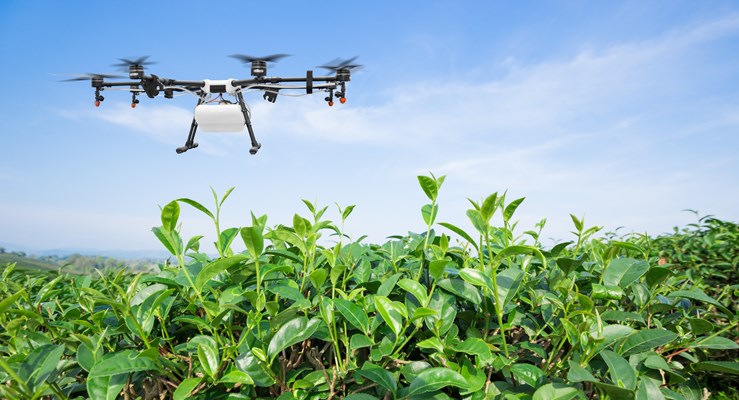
<point>528,373</point>
<point>170,215</point>
<point>294,331</point>
<point>414,288</point>
<point>122,362</point>
<point>390,313</point>
<point>459,232</point>
<point>622,272</point>
<point>196,205</point>
<point>477,278</point>
<point>488,207</point>
<point>209,359</point>
<point>429,212</point>
<point>556,391</point>
<point>462,289</point>
<point>185,388</point>
<point>433,379</point>
<point>429,186</point>
<point>253,239</point>
<point>216,267</point>
<point>511,208</point>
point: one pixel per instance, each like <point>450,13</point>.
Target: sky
<point>624,113</point>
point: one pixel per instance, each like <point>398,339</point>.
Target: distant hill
<point>24,262</point>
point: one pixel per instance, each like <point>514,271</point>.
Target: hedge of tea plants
<point>305,312</point>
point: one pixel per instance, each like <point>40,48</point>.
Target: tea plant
<point>305,312</point>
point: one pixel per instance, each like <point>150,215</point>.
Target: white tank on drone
<point>221,117</point>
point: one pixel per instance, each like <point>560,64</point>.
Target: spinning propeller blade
<point>125,62</point>
<point>247,59</point>
<point>89,76</point>
<point>338,64</point>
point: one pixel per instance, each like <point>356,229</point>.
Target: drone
<point>214,112</point>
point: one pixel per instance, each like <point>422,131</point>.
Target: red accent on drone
<point>133,105</point>
<point>97,103</point>
<point>342,100</point>
<point>330,103</point>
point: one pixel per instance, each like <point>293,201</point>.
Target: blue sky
<point>625,113</point>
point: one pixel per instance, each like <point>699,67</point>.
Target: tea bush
<point>456,314</point>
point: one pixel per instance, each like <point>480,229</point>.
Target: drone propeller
<point>258,64</point>
<point>89,76</point>
<point>249,59</point>
<point>342,68</point>
<point>339,64</point>
<point>127,63</point>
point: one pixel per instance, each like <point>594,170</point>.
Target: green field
<point>441,314</point>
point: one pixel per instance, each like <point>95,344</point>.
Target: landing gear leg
<point>255,146</point>
<point>190,143</point>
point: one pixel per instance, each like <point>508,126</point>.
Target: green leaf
<point>360,396</point>
<point>122,362</point>
<point>429,212</point>
<point>209,359</point>
<point>390,313</point>
<point>359,341</point>
<point>509,281</point>
<point>433,379</point>
<point>511,208</point>
<point>697,294</point>
<point>459,232</point>
<point>610,292</point>
<point>170,215</point>
<point>578,223</point>
<point>215,268</point>
<point>648,390</point>
<point>727,367</point>
<point>170,239</point>
<point>292,332</point>
<point>237,376</point>
<point>615,392</point>
<point>39,364</point>
<point>462,289</point>
<point>379,376</point>
<point>644,340</point>
<point>388,284</point>
<point>438,267</point>
<point>476,347</point>
<point>700,326</point>
<point>622,272</point>
<point>10,300</point>
<point>579,374</point>
<point>318,277</point>
<point>488,207</point>
<point>354,314</point>
<point>476,219</point>
<point>301,225</point>
<point>197,205</point>
<point>185,388</point>
<point>656,275</point>
<point>253,239</point>
<point>520,250</point>
<point>528,374</point>
<point>555,391</point>
<point>87,357</point>
<point>477,278</point>
<point>431,343</point>
<point>429,186</point>
<point>258,371</point>
<point>717,343</point>
<point>621,372</point>
<point>414,288</point>
<point>348,210</point>
<point>105,387</point>
<point>422,312</point>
